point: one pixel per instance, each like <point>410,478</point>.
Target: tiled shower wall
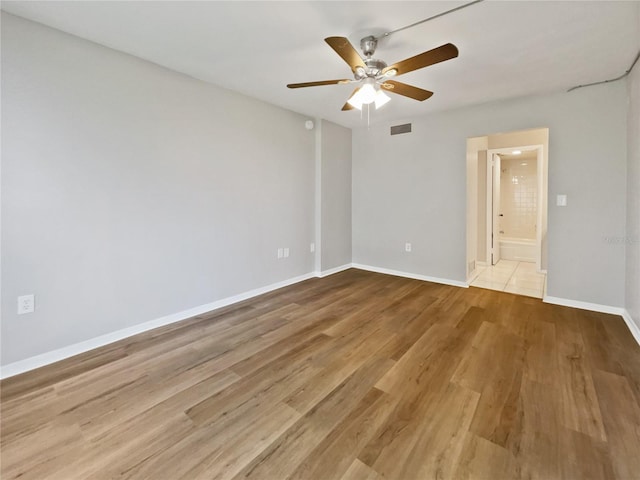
<point>518,198</point>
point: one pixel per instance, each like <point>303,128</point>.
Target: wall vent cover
<point>398,129</point>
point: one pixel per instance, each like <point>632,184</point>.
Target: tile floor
<point>513,277</point>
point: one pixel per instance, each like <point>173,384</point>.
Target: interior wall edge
<point>335,195</point>
<point>317,198</point>
<point>331,271</point>
<point>632,227</point>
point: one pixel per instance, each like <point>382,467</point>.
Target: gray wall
<point>336,196</point>
<point>130,192</point>
<point>632,301</point>
<point>411,188</point>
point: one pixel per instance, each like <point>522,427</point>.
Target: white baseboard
<point>41,360</point>
<point>331,271</point>
<point>594,307</point>
<point>414,276</point>
<point>633,326</point>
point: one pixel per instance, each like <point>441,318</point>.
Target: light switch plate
<point>561,201</point>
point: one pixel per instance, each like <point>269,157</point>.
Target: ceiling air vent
<point>398,129</point>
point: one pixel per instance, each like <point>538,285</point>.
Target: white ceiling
<point>507,49</point>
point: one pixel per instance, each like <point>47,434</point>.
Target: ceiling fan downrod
<point>369,45</point>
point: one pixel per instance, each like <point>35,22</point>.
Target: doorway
<point>506,239</point>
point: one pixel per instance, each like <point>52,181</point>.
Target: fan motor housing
<point>374,66</point>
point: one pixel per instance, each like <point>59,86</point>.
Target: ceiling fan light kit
<point>373,74</point>
<point>367,96</point>
<point>381,99</point>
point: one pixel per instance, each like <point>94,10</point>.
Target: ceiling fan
<point>374,75</point>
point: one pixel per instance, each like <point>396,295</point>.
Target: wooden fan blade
<point>343,47</point>
<point>317,84</point>
<point>431,57</point>
<point>348,106</point>
<point>406,90</point>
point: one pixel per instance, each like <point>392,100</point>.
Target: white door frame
<point>540,168</point>
<point>496,176</point>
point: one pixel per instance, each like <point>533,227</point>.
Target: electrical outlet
<point>286,252</point>
<point>312,247</point>
<point>26,304</point>
<point>561,201</point>
<point>280,253</point>
<point>407,247</point>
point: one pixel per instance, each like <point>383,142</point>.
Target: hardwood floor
<point>354,376</point>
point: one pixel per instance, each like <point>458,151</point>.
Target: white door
<point>495,231</point>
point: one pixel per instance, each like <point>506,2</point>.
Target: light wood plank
<point>621,414</point>
<point>579,406</point>
<point>360,471</point>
